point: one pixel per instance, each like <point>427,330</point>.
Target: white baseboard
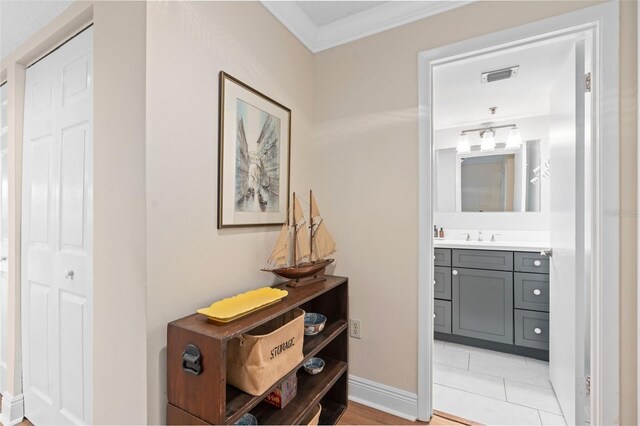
<point>384,398</point>
<point>12,409</point>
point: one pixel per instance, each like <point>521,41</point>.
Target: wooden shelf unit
<point>207,398</point>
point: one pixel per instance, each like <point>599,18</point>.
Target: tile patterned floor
<point>492,387</point>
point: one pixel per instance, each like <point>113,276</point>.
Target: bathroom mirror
<point>498,181</point>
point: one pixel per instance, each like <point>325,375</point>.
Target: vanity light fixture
<point>463,144</point>
<point>487,141</point>
<point>515,140</point>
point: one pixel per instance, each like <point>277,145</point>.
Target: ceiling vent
<point>502,74</point>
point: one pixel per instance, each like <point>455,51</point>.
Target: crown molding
<point>295,20</point>
<point>380,18</point>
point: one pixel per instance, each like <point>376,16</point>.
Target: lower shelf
<point>331,412</point>
<point>311,390</point>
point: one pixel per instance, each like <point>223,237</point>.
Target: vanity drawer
<point>442,257</point>
<point>531,329</point>
<point>483,259</point>
<point>442,282</point>
<point>531,262</point>
<point>442,316</point>
<point>531,291</point>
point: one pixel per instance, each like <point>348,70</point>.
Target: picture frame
<point>254,156</point>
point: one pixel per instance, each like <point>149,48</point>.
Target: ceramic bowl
<point>247,419</point>
<point>314,365</point>
<point>313,323</point>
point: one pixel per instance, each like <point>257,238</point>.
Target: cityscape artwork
<point>253,163</point>
<point>257,159</point>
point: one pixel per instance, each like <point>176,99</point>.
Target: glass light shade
<point>515,140</point>
<point>463,144</point>
<point>487,142</point>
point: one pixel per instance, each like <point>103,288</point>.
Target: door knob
<point>537,263</point>
<point>537,330</point>
<point>536,292</point>
<point>454,272</point>
<point>68,274</point>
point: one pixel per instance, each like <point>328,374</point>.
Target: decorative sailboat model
<point>301,250</point>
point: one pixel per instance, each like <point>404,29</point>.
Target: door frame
<point>603,22</point>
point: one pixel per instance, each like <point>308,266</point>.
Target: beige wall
<point>190,263</point>
<point>119,255</point>
<point>365,156</point>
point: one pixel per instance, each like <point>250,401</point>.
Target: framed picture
<point>253,157</point>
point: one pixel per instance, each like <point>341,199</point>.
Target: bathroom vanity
<point>496,299</point>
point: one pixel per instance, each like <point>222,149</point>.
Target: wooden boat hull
<point>303,270</point>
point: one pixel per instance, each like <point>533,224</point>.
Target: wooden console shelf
<point>207,399</point>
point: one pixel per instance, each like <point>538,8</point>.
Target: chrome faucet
<point>467,234</point>
<point>493,237</point>
<point>479,235</point>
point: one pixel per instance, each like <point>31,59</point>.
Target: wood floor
<point>358,414</point>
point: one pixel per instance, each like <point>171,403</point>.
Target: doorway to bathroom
<point>515,182</point>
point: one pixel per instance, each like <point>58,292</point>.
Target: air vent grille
<point>501,74</point>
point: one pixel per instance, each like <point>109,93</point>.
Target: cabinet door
<point>532,329</point>
<point>531,291</point>
<point>483,259</point>
<point>531,262</point>
<point>442,282</point>
<point>483,304</point>
<point>442,257</point>
<point>442,316</point>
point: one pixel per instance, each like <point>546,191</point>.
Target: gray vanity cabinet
<point>493,299</point>
<point>482,304</point>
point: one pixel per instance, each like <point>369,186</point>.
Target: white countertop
<point>488,245</point>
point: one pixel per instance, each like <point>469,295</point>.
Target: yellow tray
<point>232,308</point>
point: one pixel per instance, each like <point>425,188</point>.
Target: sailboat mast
<point>295,231</point>
<point>311,225</point>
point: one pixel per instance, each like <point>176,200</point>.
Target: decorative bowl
<point>313,323</point>
<point>248,420</point>
<point>313,365</point>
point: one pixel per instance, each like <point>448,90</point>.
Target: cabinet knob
<point>3,259</point>
<point>434,257</point>
<point>537,263</point>
<point>68,274</point>
<point>536,292</point>
<point>434,282</point>
<point>454,272</point>
<point>434,315</point>
<point>537,330</point>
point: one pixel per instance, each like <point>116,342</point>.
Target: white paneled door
<point>4,211</point>
<point>57,236</point>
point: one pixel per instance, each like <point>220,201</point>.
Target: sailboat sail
<point>303,249</point>
<point>323,243</point>
<point>281,250</point>
<point>315,212</point>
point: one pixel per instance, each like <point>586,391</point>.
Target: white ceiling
<point>321,25</point>
<point>325,12</point>
<point>460,99</point>
<point>19,19</point>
